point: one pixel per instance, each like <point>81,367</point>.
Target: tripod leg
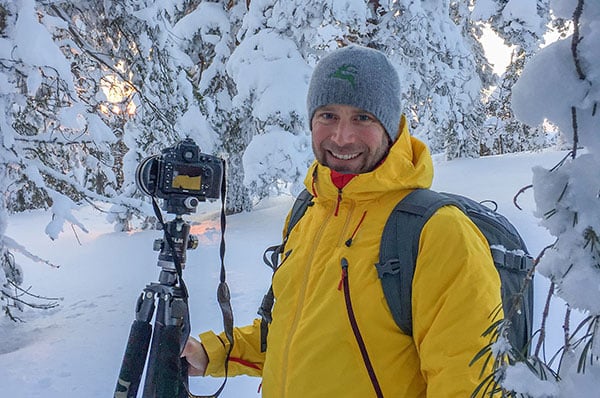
<point>152,369</point>
<point>136,351</point>
<point>133,363</point>
<point>166,376</point>
<point>168,379</point>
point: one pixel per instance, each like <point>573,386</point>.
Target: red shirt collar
<point>340,179</point>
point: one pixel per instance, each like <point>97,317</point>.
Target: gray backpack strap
<point>399,248</point>
<point>272,253</point>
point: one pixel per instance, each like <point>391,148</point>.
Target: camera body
<point>181,175</point>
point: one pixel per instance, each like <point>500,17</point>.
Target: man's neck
<point>341,179</point>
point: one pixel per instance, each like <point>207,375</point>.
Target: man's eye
<point>363,118</point>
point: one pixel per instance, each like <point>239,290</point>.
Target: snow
<point>563,8</point>
<point>270,67</point>
<point>524,11</point>
<point>285,148</point>
<point>534,100</point>
<point>76,348</point>
<point>483,9</point>
<point>34,46</point>
<point>529,385</point>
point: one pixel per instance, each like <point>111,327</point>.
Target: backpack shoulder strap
<point>399,248</point>
<point>302,202</point>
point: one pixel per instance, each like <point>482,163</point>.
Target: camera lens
<point>146,175</point>
<point>191,203</point>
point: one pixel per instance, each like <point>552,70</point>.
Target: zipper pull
<point>344,273</point>
<point>348,243</point>
<point>337,205</point>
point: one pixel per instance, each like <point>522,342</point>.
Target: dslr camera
<point>181,175</point>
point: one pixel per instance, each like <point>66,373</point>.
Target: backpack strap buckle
<point>391,267</point>
<point>511,259</point>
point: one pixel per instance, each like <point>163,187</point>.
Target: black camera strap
<point>223,294</point>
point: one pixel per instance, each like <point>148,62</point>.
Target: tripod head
<point>179,231</point>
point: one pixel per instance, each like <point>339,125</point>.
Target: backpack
<point>398,253</point>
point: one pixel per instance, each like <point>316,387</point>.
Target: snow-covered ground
<point>75,350</point>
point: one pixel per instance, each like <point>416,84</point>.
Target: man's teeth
<point>345,157</point>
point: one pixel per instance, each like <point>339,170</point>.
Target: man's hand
<point>196,357</point>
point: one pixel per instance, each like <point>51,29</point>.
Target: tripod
<point>166,372</point>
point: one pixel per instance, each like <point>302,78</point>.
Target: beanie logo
<point>346,72</point>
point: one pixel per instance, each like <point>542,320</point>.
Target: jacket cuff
<point>216,349</point>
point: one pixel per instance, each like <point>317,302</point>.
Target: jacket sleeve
<point>456,289</point>
<point>245,358</point>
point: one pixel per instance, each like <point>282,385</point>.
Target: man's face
<point>347,139</point>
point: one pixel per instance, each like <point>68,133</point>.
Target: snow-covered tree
<point>279,42</point>
<point>208,38</point>
<point>440,81</point>
<point>562,84</point>
<point>50,139</point>
<point>521,24</point>
<point>472,32</point>
<point>144,92</point>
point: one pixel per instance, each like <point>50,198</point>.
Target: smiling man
<point>332,333</point>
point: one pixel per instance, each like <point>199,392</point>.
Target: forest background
<point>89,89</point>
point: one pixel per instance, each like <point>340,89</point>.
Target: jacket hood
<point>407,166</point>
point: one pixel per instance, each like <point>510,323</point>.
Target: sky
<point>76,349</point>
<point>496,51</point>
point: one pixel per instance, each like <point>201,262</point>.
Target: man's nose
<point>343,133</point>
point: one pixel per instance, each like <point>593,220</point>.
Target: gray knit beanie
<point>361,77</point>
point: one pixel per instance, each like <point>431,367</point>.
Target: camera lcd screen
<point>188,178</point>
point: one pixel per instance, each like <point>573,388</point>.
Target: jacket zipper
<point>345,286</point>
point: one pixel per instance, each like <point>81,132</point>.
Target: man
<point>332,333</point>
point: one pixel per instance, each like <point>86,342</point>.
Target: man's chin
<point>344,167</point>
<point>342,171</point>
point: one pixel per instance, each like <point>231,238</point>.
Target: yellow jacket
<point>312,350</point>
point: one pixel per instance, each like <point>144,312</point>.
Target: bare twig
<point>522,190</point>
<point>566,328</point>
<point>28,293</point>
<point>575,132</point>
<point>75,233</point>
<point>542,337</point>
<point>548,299</point>
<point>576,39</point>
<point>580,73</point>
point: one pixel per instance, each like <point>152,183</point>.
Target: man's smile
<point>341,156</point>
